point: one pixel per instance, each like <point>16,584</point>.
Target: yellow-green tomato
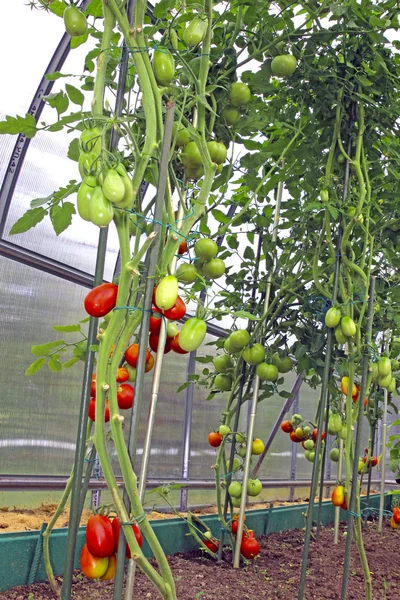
<point>84,196</point>
<point>224,429</point>
<point>242,451</point>
<point>192,334</point>
<point>90,140</point>
<point>235,502</point>
<point>230,116</point>
<point>240,439</point>
<point>385,381</point>
<point>186,273</point>
<point>113,187</point>
<point>101,211</point>
<point>257,447</point>
<point>334,454</point>
<point>254,355</point>
<point>285,365</point>
<point>129,195</point>
<point>222,363</point>
<point>222,383</point>
<point>348,326</point>
<point>235,465</point>
<point>180,134</point>
<point>332,317</point>
<point>195,31</point>
<point>309,444</point>
<point>235,489</point>
<point>384,366</point>
<point>167,293</point>
<point>283,65</point>
<point>267,372</point>
<point>214,268</point>
<point>205,249</point>
<point>392,386</point>
<point>218,152</point>
<point>339,336</point>
<point>254,487</point>
<point>164,67</point>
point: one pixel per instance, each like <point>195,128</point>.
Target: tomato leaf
<point>70,363</point>
<point>73,150</point>
<point>184,386</point>
<point>74,94</point>
<point>67,328</point>
<point>56,75</point>
<point>95,9</point>
<point>28,220</point>
<point>44,349</point>
<point>284,394</point>
<point>61,216</point>
<point>40,201</point>
<point>54,364</point>
<point>162,7</point>
<point>79,40</point>
<point>14,125</point>
<point>59,101</point>
<point>57,7</point>
<point>243,314</point>
<point>35,366</point>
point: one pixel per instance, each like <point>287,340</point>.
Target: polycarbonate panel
<point>38,417</point>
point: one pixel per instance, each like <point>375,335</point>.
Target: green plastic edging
<point>17,550</point>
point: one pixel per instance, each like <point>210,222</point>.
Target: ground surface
<point>274,575</point>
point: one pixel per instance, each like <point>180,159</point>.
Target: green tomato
<point>74,21</point>
<point>181,134</point>
<point>254,487</point>
<point>332,317</point>
<point>375,372</point>
<point>164,67</point>
<point>240,439</point>
<point>348,326</point>
<point>235,489</point>
<point>186,273</point>
<point>242,451</point>
<point>214,268</point>
<point>101,211</point>
<point>384,366</point>
<point>311,456</point>
<point>84,196</point>
<point>87,163</point>
<point>239,94</point>
<point>172,329</point>
<point>339,335</point>
<point>230,348</point>
<point>218,152</point>
<point>236,502</point>
<point>324,195</point>
<point>307,454</point>
<point>222,383</point>
<point>334,423</point>
<point>309,444</point>
<point>385,381</point>
<point>235,465</point>
<point>192,334</point>
<point>307,430</point>
<point>90,140</point>
<point>205,249</point>
<point>113,187</point>
<point>167,293</point>
<point>254,355</point>
<point>276,360</point>
<point>222,363</point>
<point>343,432</point>
<point>230,116</point>
<point>285,365</point>
<point>267,372</point>
<point>131,370</point>
<point>191,156</point>
<point>129,194</point>
<point>297,419</point>
<point>392,386</point>
<point>334,454</point>
<point>395,364</point>
<point>224,429</point>
<point>239,338</point>
<point>194,173</point>
<point>195,31</point>
<point>283,65</point>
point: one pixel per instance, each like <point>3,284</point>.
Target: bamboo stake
<point>383,451</point>
<point>339,478</point>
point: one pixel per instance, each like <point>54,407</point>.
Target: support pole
<point>339,478</point>
<point>322,475</point>
<point>383,451</point>
<point>293,454</point>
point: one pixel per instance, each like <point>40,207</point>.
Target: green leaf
<point>44,349</point>
<point>67,328</point>
<point>85,320</point>
<point>249,253</point>
<point>35,366</point>
<point>54,364</point>
<point>74,94</point>
<point>15,125</point>
<point>95,9</point>
<point>365,82</point>
<point>70,363</point>
<point>94,348</point>
<point>184,386</point>
<point>59,101</point>
<point>79,40</point>
<point>28,220</point>
<point>73,150</point>
<point>284,394</point>
<point>162,8</point>
<point>220,216</point>
<point>61,216</point>
<point>57,7</point>
<point>40,201</point>
<point>56,75</point>
<point>243,314</point>
<point>204,359</point>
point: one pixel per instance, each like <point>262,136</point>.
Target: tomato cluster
<point>98,555</point>
<point>303,434</point>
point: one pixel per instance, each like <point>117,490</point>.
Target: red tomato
<point>182,247</point>
<point>155,320</point>
<point>235,526</point>
<point>112,565</point>
<point>294,437</point>
<point>101,299</point>
<point>122,375</point>
<point>149,364</point>
<point>365,402</point>
<point>393,523</point>
<point>249,547</point>
<point>396,514</point>
<point>116,530</point>
<point>125,395</point>
<point>99,536</point>
<point>287,426</point>
<point>132,353</point>
<point>92,410</point>
<point>175,345</point>
<point>344,505</point>
<point>153,343</point>
<point>177,311</point>
<point>315,435</point>
<point>93,385</point>
<point>213,546</point>
<point>92,567</point>
<point>215,439</point>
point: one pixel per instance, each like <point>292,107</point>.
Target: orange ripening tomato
<point>149,364</point>
<point>112,565</point>
<point>122,375</point>
<point>345,388</point>
<point>182,247</point>
<point>93,567</point>
<point>393,524</point>
<point>396,514</point>
<point>338,496</point>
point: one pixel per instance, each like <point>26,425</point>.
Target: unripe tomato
<point>194,173</point>
<point>334,454</point>
<point>92,567</point>
<point>222,363</point>
<point>214,268</point>
<point>308,444</point>
<point>218,152</point>
<point>332,317</point>
<point>113,187</point>
<point>224,430</point>
<point>125,395</point>
<point>74,21</point>
<point>334,423</point>
<point>112,565</point>
<point>192,334</point>
<point>235,489</point>
<point>392,385</point>
<point>101,211</point>
<point>205,249</point>
<point>180,134</point>
<point>345,387</point>
<point>339,335</point>
<point>215,439</point>
<point>230,348</point>
<point>338,496</point>
<point>164,67</point>
<point>285,365</point>
<point>191,156</point>
<point>87,163</point>
<point>150,364</point>
<point>230,116</point>
<point>267,372</point>
<point>177,311</point>
<point>84,196</point>
<point>283,65</point>
<point>239,94</point>
<point>257,447</point>
<point>129,194</point>
<point>99,536</point>
<point>348,326</point>
<point>222,383</point>
<point>254,355</point>
<point>384,366</point>
<point>239,338</point>
<point>186,273</point>
<point>172,330</point>
<point>132,354</point>
<point>195,31</point>
<point>385,381</point>
<point>101,299</point>
<point>300,434</point>
<point>254,487</point>
<point>324,195</point>
<point>90,140</point>
<point>175,345</point>
<point>166,292</point>
<point>287,426</point>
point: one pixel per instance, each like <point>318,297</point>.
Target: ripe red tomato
<point>315,435</point>
<point>92,410</point>
<point>132,353</point>
<point>396,514</point>
<point>112,565</point>
<point>99,536</point>
<point>215,439</point>
<point>235,526</point>
<point>92,567</point>
<point>122,375</point>
<point>153,343</point>
<point>213,546</point>
<point>182,247</point>
<point>249,547</point>
<point>101,299</point>
<point>155,320</point>
<point>175,347</point>
<point>116,531</point>
<point>93,385</point>
<point>294,437</point>
<point>125,395</point>
<point>177,311</point>
<point>287,426</point>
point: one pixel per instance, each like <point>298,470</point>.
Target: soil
<point>273,575</point>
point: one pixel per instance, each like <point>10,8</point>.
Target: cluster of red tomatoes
<point>125,395</point>
<point>249,546</point>
<point>300,433</point>
<point>98,555</point>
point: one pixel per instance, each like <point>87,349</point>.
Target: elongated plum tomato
<point>175,345</point>
<point>166,292</point>
<point>338,496</point>
<point>287,426</point>
<point>92,410</point>
<point>283,65</point>
<point>155,320</point>
<point>384,366</point>
<point>101,299</point>
<point>396,514</point>
<point>132,354</point>
<point>345,388</point>
<point>348,326</point>
<point>125,395</point>
<point>195,31</point>
<point>239,94</point>
<point>74,21</point>
<point>99,536</point>
<point>192,334</point>
<point>113,187</point>
<point>249,547</point>
<point>112,565</point>
<point>116,531</point>
<point>84,196</point>
<point>164,67</point>
<point>215,439</point>
<point>213,546</point>
<point>101,211</point>
<point>153,343</point>
<point>182,247</point>
<point>92,567</point>
<point>332,317</point>
<point>177,311</point>
<point>90,140</point>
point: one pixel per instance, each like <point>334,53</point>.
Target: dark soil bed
<point>275,573</point>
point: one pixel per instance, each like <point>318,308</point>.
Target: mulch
<point>274,574</point>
